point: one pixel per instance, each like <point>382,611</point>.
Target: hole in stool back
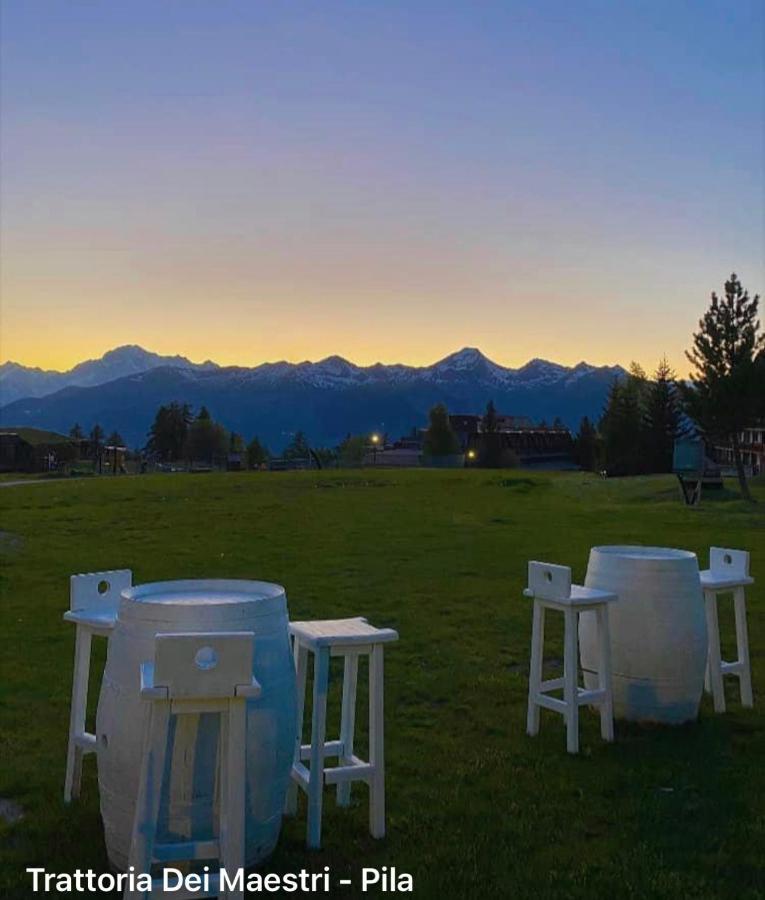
<point>206,659</point>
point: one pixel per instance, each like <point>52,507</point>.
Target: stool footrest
<point>554,684</point>
<point>585,697</point>
<point>187,850</point>
<point>86,742</point>
<point>552,703</point>
<point>354,770</point>
<point>732,668</point>
<point>557,704</point>
<point>331,748</point>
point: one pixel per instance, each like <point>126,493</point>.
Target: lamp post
<point>471,455</point>
<point>375,441</point>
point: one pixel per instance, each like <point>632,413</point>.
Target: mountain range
<point>326,399</point>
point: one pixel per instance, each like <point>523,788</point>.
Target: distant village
<point>489,440</point>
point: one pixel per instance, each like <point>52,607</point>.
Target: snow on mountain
<point>334,372</point>
<point>327,399</point>
<point>17,381</point>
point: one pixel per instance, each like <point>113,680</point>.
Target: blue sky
<point>251,181</point>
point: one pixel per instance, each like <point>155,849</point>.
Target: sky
<point>253,181</point>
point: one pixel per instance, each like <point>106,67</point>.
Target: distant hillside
<point>327,399</point>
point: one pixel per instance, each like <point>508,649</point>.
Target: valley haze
<point>327,399</point>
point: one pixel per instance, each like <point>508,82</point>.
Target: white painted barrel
<point>658,631</point>
<point>189,803</point>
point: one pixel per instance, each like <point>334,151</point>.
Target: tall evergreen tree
<point>489,421</point>
<point>298,447</point>
<point>75,432</point>
<point>257,454</point>
<point>585,445</point>
<point>728,378</point>
<point>621,428</point>
<point>440,439</point>
<point>168,433</point>
<point>115,439</point>
<point>662,418</point>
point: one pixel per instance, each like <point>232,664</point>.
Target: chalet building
<point>33,450</point>
<point>752,443</point>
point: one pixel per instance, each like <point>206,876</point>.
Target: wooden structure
<point>194,674</point>
<point>728,572</point>
<point>93,603</point>
<point>550,588</point>
<point>693,469</point>
<point>350,639</point>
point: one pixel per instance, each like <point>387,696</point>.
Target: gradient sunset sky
<point>388,181</point>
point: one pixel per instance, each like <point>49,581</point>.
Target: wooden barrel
<point>189,800</point>
<point>658,631</point>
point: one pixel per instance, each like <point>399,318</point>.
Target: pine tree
<point>621,428</point>
<point>662,418</point>
<point>115,439</point>
<point>489,421</point>
<point>440,440</point>
<point>75,432</point>
<point>585,445</point>
<point>257,454</point>
<point>168,433</point>
<point>728,378</point>
<point>298,447</point>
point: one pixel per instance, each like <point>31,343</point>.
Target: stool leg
<point>535,669</point>
<point>742,641</point>
<point>713,652</point>
<point>233,793</point>
<point>301,668</point>
<point>77,712</point>
<point>318,736</point>
<point>604,675</point>
<point>376,743</point>
<point>348,722</point>
<point>149,792</point>
<point>570,689</point>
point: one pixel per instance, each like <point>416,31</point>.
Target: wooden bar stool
<point>349,638</point>
<point>550,587</point>
<point>94,601</point>
<point>192,674</point>
<point>728,572</point>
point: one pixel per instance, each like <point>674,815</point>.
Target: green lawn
<point>476,808</point>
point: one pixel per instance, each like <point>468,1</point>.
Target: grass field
<point>476,808</point>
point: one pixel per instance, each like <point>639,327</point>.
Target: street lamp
<point>375,441</point>
<point>471,455</point>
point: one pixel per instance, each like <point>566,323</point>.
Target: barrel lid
<point>626,551</point>
<point>203,593</point>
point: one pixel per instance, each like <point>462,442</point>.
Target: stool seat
<point>579,596</point>
<point>98,619</point>
<point>340,633</point>
<point>720,581</point>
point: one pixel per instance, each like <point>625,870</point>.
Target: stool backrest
<point>734,563</point>
<point>203,665</point>
<point>98,590</point>
<point>549,582</point>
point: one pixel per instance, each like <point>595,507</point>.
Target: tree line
<point>724,395</point>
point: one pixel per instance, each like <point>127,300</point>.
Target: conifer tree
<point>728,378</point>
<point>662,418</point>
<point>440,440</point>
